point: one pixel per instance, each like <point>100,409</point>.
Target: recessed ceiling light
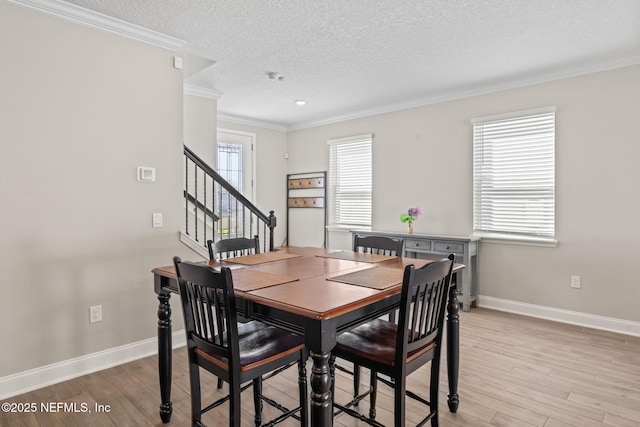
<point>272,75</point>
<point>300,102</point>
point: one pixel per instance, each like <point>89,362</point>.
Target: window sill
<point>507,239</point>
<point>348,228</point>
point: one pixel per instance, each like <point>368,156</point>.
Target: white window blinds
<point>350,180</point>
<point>513,173</point>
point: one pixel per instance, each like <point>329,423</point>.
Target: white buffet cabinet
<point>428,246</point>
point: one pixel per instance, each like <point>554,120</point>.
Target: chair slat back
<point>209,309</point>
<point>378,245</point>
<point>229,248</point>
<point>422,305</point>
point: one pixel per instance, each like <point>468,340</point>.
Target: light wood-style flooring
<point>515,371</point>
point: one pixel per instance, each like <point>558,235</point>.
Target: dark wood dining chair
<point>397,350</point>
<point>239,354</point>
<point>229,248</point>
<point>378,245</point>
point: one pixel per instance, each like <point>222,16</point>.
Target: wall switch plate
<point>95,313</point>
<point>157,220</point>
<point>575,282</point>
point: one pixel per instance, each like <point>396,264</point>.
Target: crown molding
<point>202,92</point>
<point>252,122</point>
<point>455,95</point>
<point>97,20</point>
<point>472,91</point>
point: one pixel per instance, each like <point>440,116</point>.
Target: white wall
<point>81,109</point>
<point>200,126</point>
<point>424,156</point>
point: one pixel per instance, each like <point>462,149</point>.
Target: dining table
<point>316,293</point>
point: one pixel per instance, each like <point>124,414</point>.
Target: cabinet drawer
<point>456,248</point>
<point>411,244</point>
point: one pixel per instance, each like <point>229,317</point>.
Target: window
<point>513,174</point>
<point>229,166</point>
<point>229,159</point>
<point>350,180</point>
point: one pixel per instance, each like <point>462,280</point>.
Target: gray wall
<point>423,156</point>
<point>81,109</point>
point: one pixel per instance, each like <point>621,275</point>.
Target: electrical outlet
<point>575,282</point>
<point>95,313</point>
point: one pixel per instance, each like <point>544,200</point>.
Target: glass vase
<point>410,224</point>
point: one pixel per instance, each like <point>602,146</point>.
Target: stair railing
<point>215,210</point>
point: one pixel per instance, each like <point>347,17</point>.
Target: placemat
<point>356,256</point>
<point>375,277</point>
<point>245,279</point>
<point>261,258</point>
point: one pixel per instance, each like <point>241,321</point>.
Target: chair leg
<point>234,403</point>
<point>433,389</point>
<point>220,383</point>
<point>196,401</point>
<point>374,394</point>
<point>356,382</point>
<point>257,401</point>
<point>399,402</point>
<point>302,384</point>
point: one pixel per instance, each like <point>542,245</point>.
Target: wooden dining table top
<point>299,280</point>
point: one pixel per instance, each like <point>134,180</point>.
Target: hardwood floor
<point>515,371</point>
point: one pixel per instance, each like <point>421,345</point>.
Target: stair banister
<point>239,199</point>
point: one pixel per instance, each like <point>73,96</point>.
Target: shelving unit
<point>307,191</point>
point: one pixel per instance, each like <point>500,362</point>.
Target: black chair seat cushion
<point>375,340</point>
<point>259,344</point>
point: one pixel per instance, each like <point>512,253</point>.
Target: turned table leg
<point>453,348</point>
<point>321,399</point>
<point>164,355</point>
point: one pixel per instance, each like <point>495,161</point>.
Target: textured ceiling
<point>350,57</point>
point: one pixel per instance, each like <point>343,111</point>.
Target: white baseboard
<point>33,379</point>
<point>565,316</point>
<point>194,246</point>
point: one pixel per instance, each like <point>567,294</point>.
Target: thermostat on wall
<point>146,174</point>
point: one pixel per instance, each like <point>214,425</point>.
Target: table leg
<point>321,399</point>
<point>164,355</point>
<point>453,347</point>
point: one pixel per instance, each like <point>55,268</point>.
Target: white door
<point>234,158</point>
<point>235,163</point>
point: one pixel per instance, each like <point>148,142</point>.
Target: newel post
<point>272,225</point>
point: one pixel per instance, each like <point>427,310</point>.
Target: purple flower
<point>412,214</point>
